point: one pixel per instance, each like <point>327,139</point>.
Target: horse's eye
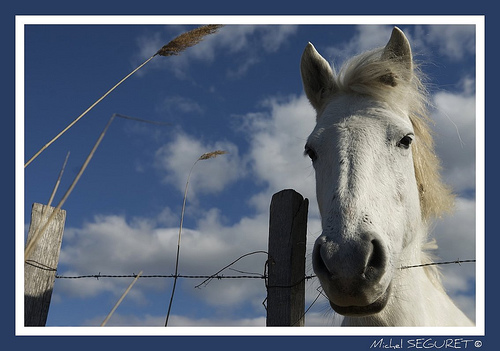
<point>406,141</point>
<point>310,152</point>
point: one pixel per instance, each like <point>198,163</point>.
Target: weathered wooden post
<point>40,266</point>
<point>286,259</point>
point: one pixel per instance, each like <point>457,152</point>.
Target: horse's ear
<point>398,49</point>
<point>317,77</point>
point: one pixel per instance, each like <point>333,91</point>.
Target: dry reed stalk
<point>143,120</point>
<point>120,300</point>
<point>205,156</point>
<point>84,113</point>
<point>174,47</point>
<point>38,234</point>
<point>31,244</point>
<point>56,186</point>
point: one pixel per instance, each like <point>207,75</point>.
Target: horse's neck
<point>417,299</point>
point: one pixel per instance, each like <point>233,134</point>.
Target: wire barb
<point>216,275</point>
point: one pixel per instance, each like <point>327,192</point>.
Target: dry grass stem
<point>143,120</point>
<point>175,47</point>
<point>205,156</point>
<point>56,186</point>
<point>31,244</point>
<point>121,299</point>
<point>188,39</point>
<point>85,112</point>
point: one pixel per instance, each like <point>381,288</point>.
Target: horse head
<point>364,148</point>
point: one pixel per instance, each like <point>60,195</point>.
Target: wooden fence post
<point>40,266</point>
<point>286,259</point>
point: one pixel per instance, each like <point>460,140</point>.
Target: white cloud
<point>148,46</point>
<point>184,105</point>
<point>181,321</point>
<point>80,288</point>
<point>367,37</point>
<point>210,176</point>
<point>273,37</point>
<point>453,42</point>
<point>249,42</point>
<point>467,305</point>
<point>457,232</point>
<point>111,245</point>
<point>245,38</point>
<point>277,140</point>
<point>456,238</point>
<point>148,320</point>
<point>455,118</point>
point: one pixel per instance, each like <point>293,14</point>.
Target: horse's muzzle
<point>351,272</point>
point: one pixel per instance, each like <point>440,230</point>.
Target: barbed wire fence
<point>219,275</point>
<point>279,273</point>
<point>215,276</point>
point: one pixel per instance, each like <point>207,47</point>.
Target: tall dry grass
<point>174,47</point>
<point>205,156</point>
<point>120,300</point>
<point>39,231</point>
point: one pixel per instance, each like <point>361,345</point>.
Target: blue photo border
<point>91,7</point>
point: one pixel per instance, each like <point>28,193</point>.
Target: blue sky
<point>240,91</point>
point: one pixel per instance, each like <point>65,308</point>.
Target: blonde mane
<point>386,79</point>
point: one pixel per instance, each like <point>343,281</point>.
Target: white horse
<point>378,187</point>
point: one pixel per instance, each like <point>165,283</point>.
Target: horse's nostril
<point>377,257</point>
<point>318,262</point>
<point>376,261</point>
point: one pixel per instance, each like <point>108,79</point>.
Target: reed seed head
<point>187,39</point>
<point>212,154</point>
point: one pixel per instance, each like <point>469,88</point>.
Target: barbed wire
<point>438,263</point>
<point>219,276</point>
<point>208,277</point>
<point>222,276</point>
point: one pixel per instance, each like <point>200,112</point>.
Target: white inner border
<point>478,21</point>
